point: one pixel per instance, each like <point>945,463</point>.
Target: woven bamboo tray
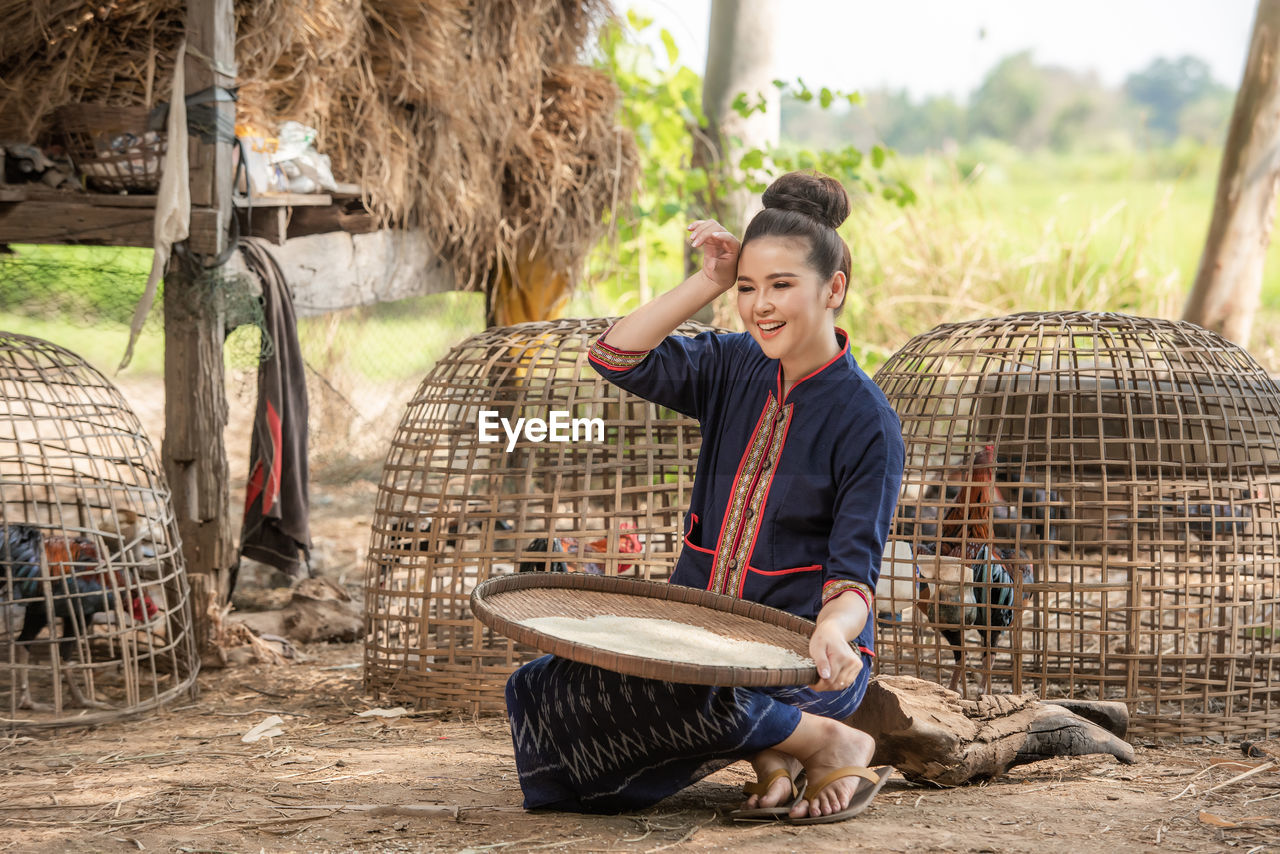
<point>502,602</point>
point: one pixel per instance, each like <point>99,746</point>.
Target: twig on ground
<point>682,839</point>
<point>1236,779</point>
<point>1191,782</point>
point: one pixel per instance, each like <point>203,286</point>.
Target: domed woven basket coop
<point>1136,474</point>
<point>454,510</point>
<point>93,594</point>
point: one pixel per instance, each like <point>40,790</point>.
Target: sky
<point>936,47</point>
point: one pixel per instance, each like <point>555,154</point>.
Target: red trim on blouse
<point>834,359</point>
<point>605,344</point>
<point>764,502</point>
<point>742,461</point>
<point>784,571</point>
<point>691,545</point>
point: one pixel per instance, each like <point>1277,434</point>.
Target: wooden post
<point>195,458</point>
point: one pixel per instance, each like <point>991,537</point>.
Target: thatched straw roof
<point>473,118</point>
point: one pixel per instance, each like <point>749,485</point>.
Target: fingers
<point>818,651</point>
<point>838,666</point>
<point>705,231</point>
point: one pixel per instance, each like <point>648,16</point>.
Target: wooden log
<point>211,61</point>
<point>204,597</point>
<point>931,734</point>
<point>195,412</point>
<point>195,458</point>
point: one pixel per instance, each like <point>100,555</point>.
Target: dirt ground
<point>183,780</point>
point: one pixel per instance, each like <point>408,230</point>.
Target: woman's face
<point>784,303</point>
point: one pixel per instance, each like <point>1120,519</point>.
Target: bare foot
<point>838,746</point>
<point>766,762</point>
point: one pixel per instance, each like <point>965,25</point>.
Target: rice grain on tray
<point>667,640</point>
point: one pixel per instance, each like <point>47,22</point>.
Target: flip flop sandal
<point>761,788</point>
<point>866,792</point>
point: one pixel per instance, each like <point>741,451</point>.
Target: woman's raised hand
<point>719,251</point>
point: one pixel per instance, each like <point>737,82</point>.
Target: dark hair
<point>807,205</point>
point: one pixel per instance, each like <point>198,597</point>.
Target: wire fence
<point>362,364</point>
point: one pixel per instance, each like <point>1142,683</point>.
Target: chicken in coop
<point>80,587</point>
<point>628,543</point>
<point>972,584</point>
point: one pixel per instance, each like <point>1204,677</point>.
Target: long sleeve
<point>863,513</point>
<point>677,374</point>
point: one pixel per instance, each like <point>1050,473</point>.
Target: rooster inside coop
<point>66,583</point>
<point>968,577</point>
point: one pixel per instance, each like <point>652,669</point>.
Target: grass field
<point>989,235</point>
<point>1100,233</point>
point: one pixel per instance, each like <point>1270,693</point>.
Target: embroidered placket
<point>745,511</point>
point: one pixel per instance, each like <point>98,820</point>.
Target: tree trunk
<point>1229,282</point>
<point>740,60</point>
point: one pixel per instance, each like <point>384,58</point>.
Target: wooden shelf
<point>282,200</point>
<point>33,213</point>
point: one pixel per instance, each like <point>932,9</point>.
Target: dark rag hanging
<point>276,526</point>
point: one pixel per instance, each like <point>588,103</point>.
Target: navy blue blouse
<point>793,496</point>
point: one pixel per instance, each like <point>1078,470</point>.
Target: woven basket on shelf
<point>111,147</point>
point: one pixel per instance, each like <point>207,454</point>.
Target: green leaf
<point>825,97</point>
<point>673,52</point>
<point>637,21</point>
<point>854,98</point>
<point>877,156</point>
<point>753,159</point>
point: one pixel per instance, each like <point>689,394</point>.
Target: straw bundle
<point>469,117</point>
<point>56,52</point>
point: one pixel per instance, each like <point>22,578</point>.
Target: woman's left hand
<point>837,661</point>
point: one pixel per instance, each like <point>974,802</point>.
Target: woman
<point>794,494</point>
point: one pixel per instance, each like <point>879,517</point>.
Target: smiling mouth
<point>771,328</point>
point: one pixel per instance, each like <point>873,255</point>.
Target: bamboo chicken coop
<point>94,610</point>
<point>1130,494</point>
<point>462,500</point>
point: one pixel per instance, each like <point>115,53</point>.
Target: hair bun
<point>814,195</point>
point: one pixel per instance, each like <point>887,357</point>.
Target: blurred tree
<point>1165,87</point>
<point>914,128</point>
<point>1205,119</point>
<point>1008,98</point>
<point>1229,282</point>
<point>1068,124</point>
